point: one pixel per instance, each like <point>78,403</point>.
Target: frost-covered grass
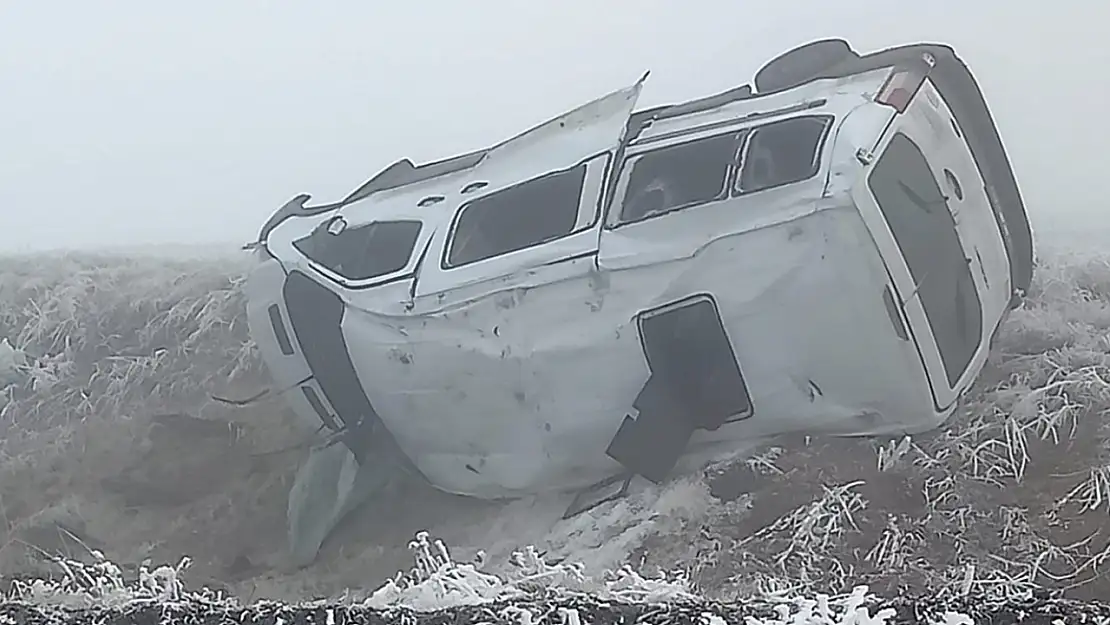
<point>109,445</point>
<point>434,582</point>
<point>103,337</point>
<point>1011,496</point>
<point>437,589</point>
<point>95,351</point>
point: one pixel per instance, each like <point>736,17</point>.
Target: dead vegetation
<point>1011,496</point>
<point>106,434</point>
<point>107,443</point>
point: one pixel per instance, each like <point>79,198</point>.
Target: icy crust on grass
<point>98,345</point>
<point>439,590</point>
<point>98,335</point>
<point>436,581</point>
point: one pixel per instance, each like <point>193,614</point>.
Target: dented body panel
<point>486,405</point>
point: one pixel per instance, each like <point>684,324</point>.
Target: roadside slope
<point>109,442</point>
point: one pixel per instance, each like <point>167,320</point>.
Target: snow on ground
<point>109,444</point>
<point>437,589</point>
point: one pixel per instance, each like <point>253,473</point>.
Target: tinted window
<point>782,153</point>
<point>363,252</point>
<point>530,213</point>
<point>917,212</point>
<point>679,176</point>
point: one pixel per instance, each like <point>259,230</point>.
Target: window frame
<point>404,272</point>
<point>826,120</point>
<point>583,165</point>
<point>615,207</point>
<point>628,164</point>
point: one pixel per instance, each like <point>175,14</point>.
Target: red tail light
<point>900,88</point>
<point>903,83</point>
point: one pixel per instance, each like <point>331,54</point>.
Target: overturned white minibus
<point>616,292</point>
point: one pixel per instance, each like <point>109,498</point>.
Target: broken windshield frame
<point>368,251</point>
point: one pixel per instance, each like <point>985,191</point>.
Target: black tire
<point>796,66</point>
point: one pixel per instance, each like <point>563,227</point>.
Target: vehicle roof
<point>404,172</point>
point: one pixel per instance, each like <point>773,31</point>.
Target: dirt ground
<point>1013,493</point>
<point>824,511</point>
<point>820,511</point>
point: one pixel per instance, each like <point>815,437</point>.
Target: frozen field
<point>110,452</point>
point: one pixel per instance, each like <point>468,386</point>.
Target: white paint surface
<point>510,376</point>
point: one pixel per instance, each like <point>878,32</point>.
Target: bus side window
<point>782,153</point>
<point>678,176</point>
<point>531,213</point>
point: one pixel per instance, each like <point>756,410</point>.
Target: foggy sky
<point>142,123</point>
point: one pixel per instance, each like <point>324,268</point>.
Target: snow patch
<point>599,540</point>
<point>436,583</point>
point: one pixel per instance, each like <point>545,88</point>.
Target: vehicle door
<point>927,221</point>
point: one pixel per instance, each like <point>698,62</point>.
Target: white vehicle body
<point>846,275</point>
